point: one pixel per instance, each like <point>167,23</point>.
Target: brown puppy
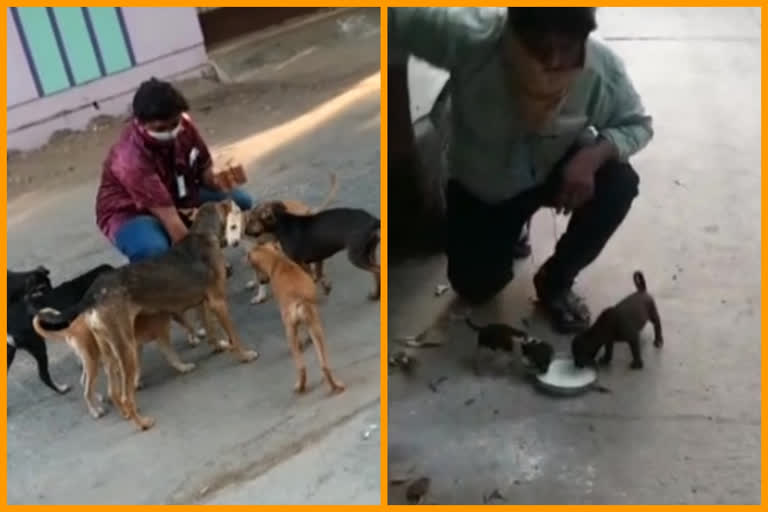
<point>622,322</point>
<point>296,296</point>
<point>191,273</point>
<point>147,328</point>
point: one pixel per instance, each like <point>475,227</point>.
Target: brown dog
<point>296,296</point>
<point>622,322</point>
<point>191,273</point>
<point>147,328</point>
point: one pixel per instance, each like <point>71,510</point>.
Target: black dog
<point>19,283</point>
<point>622,322</point>
<point>539,353</point>
<point>313,238</point>
<point>497,336</point>
<point>502,337</point>
<point>21,334</point>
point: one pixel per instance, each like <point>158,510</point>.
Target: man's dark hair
<point>571,21</point>
<point>156,100</point>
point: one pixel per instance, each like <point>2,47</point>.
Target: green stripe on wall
<point>43,48</point>
<point>77,43</point>
<point>109,34</point>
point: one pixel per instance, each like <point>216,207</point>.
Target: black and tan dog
<point>622,322</point>
<point>190,274</point>
<point>311,239</point>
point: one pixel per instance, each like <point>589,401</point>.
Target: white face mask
<point>165,136</point>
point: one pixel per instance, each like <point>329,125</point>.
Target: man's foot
<point>567,310</point>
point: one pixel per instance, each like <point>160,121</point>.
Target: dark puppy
<point>539,353</point>
<point>622,322</point>
<point>495,337</point>
<point>21,333</point>
<point>313,238</point>
<point>20,283</point>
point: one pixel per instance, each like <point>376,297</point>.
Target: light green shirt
<point>490,152</point>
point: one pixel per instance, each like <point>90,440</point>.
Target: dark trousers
<point>480,237</point>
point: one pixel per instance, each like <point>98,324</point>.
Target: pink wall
<point>158,51</point>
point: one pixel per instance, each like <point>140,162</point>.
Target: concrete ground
<point>226,432</point>
<point>686,429</point>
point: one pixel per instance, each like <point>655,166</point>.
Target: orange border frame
<point>383,174</point>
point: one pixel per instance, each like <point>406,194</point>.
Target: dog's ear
<point>279,207</point>
<point>43,270</point>
<point>269,212</point>
<point>223,207</point>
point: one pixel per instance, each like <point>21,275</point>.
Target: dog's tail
<point>331,194</point>
<point>52,320</point>
<point>42,331</point>
<point>471,324</point>
<point>639,280</point>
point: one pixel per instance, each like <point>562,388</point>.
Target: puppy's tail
<point>471,324</point>
<point>639,280</point>
<point>43,332</point>
<point>331,194</point>
<point>52,320</point>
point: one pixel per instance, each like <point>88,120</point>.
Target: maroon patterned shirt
<point>141,173</point>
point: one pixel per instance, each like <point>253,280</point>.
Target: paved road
<point>226,432</point>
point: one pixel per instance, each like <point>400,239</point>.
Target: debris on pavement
<point>434,383</point>
<point>495,495</point>
<point>373,427</point>
<point>417,490</point>
<point>402,361</point>
<point>469,401</point>
<point>419,341</point>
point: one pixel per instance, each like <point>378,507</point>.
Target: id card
<point>181,186</point>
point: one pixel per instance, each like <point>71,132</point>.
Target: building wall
<point>66,65</point>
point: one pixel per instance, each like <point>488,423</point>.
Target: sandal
<point>567,310</point>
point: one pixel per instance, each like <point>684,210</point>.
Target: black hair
<point>573,21</point>
<point>156,100</point>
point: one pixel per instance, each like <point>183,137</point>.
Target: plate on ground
<point>564,378</point>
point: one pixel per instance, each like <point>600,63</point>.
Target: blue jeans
<point>144,236</point>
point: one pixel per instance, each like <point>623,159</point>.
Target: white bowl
<point>564,378</point>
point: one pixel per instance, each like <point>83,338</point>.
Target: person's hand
<point>231,176</point>
<point>578,185</point>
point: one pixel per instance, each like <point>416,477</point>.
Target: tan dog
<point>147,328</point>
<point>191,273</point>
<point>296,295</point>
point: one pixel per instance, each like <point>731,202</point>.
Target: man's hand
<point>578,184</point>
<point>171,221</point>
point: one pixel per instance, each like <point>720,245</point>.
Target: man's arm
<point>442,36</point>
<point>629,128</point>
<point>171,221</point>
